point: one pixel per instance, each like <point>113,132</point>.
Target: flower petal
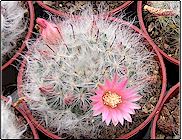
<point>108,119</point>
<point>95,98</point>
<point>105,113</point>
<point>99,92</point>
<point>134,98</point>
<point>121,119</point>
<point>120,116</point>
<point>97,106</point>
<point>122,84</point>
<point>132,111</point>
<point>108,84</point>
<point>128,92</point>
<point>132,105</point>
<point>115,79</point>
<point>97,112</point>
<point>127,117</point>
<point>125,108</point>
<point>114,117</point>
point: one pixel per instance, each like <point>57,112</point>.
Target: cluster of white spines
<point>10,127</point>
<point>12,24</point>
<point>61,78</point>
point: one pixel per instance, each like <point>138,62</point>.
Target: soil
<point>76,7</point>
<point>168,124</point>
<point>166,37</point>
<point>20,40</point>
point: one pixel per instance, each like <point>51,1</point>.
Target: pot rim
<point>28,35</point>
<point>134,131</point>
<point>143,28</point>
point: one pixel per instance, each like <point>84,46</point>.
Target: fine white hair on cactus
<point>59,79</point>
<point>13,24</point>
<point>10,127</point>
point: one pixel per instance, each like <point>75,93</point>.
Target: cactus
<point>13,25</point>
<point>164,27</point>
<point>61,76</point>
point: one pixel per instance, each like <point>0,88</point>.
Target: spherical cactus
<point>79,70</point>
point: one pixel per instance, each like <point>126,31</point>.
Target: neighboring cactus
<point>163,23</point>
<point>13,24</point>
<point>10,127</point>
<point>68,62</point>
<point>168,123</point>
<point>163,8</point>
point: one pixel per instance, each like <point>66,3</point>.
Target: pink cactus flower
<point>50,32</point>
<point>115,101</point>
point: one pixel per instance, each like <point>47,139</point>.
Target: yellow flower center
<point>111,99</point>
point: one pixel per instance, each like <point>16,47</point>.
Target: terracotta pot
<point>142,25</point>
<point>61,13</point>
<point>34,132</point>
<point>28,35</point>
<point>126,136</point>
<point>171,93</point>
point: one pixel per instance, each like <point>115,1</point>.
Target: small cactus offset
<point>82,72</point>
<point>164,8</point>
<point>13,24</point>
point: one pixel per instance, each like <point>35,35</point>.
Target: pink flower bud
<point>50,32</point>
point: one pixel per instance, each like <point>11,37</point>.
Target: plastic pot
<point>171,93</point>
<point>28,35</point>
<point>142,25</point>
<point>133,132</point>
<point>61,13</point>
<point>34,132</point>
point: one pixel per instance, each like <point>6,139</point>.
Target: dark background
<point>9,75</point>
